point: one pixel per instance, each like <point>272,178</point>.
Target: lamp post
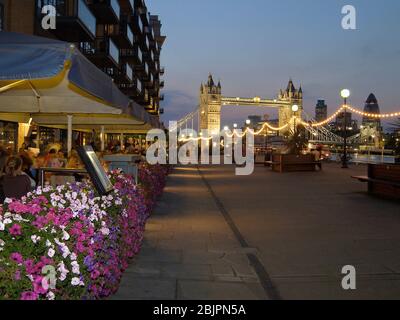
<point>345,93</point>
<point>295,108</point>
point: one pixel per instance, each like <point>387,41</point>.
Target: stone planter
<point>293,163</point>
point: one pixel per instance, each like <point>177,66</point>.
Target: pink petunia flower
<point>16,257</point>
<point>15,230</point>
<point>29,295</point>
<point>17,275</point>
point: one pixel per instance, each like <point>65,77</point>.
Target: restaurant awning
<point>43,79</point>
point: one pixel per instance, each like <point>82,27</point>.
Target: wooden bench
<point>292,163</point>
<point>383,180</point>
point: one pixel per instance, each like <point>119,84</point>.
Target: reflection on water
<point>365,158</point>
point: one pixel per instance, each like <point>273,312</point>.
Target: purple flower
<point>17,257</point>
<point>15,230</point>
<point>29,295</point>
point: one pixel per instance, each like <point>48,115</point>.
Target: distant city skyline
<point>255,46</point>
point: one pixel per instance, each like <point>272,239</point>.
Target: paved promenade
<point>267,236</point>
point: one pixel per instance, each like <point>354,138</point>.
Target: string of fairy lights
<point>295,120</point>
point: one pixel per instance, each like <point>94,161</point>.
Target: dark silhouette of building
<point>321,111</point>
<point>371,129</point>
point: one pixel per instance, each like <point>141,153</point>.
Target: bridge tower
<point>290,96</point>
<point>210,106</point>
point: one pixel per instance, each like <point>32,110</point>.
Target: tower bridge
<point>212,101</point>
<point>208,113</point>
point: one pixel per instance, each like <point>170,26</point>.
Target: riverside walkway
<point>215,235</point>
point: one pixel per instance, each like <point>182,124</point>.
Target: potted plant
<point>294,159</point>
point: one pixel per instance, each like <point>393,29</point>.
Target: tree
<point>297,142</point>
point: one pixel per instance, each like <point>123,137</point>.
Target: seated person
<point>14,183</point>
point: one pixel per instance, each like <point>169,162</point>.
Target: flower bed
<point>153,179</point>
<point>69,243</point>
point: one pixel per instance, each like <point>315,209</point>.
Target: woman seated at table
<point>14,183</point>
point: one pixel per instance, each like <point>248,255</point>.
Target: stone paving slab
<point>189,251</point>
<point>133,288</point>
<point>212,290</point>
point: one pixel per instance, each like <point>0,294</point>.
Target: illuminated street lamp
<point>295,108</point>
<point>248,122</point>
<point>345,94</point>
<point>226,128</point>
<point>235,125</point>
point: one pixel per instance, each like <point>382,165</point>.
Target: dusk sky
<point>255,46</point>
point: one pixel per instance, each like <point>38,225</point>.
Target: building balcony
<point>121,34</point>
<point>106,11</point>
<point>130,90</point>
<point>75,21</point>
<point>162,84</point>
<point>137,24</point>
<point>141,7</point>
<point>134,57</point>
<point>143,71</point>
<point>149,56</point>
<point>149,82</point>
<point>104,53</point>
<point>161,110</point>
<point>162,71</point>
<point>125,75</point>
<point>144,98</point>
<point>127,6</point>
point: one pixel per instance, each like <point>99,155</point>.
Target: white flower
<point>61,268</point>
<point>75,267</point>
<point>51,296</point>
<point>75,281</point>
<point>62,277</point>
<point>17,217</point>
<point>105,231</point>
<point>35,239</point>
<point>51,253</point>
<point>2,226</point>
<point>66,236</point>
<point>48,243</point>
<point>7,221</point>
<point>65,251</point>
<point>73,257</point>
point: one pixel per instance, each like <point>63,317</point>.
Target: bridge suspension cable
<point>320,134</point>
<point>188,120</point>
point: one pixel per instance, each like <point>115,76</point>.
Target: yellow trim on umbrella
<point>46,83</point>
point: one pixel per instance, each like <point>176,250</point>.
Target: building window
<point>1,17</point>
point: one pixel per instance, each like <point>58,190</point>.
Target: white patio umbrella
<point>51,83</point>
